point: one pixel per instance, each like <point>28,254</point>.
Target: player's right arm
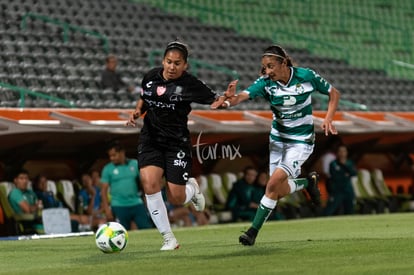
<point>136,113</point>
<point>327,125</point>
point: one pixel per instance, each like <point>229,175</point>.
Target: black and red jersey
<point>167,105</point>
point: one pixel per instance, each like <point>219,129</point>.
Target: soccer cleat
<point>313,188</point>
<point>247,239</point>
<point>198,199</point>
<point>170,243</point>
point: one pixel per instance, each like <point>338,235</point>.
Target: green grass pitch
<point>369,244</point>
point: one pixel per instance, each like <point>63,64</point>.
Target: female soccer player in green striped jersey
<point>288,90</point>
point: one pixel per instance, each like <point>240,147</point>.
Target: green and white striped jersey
<point>291,104</point>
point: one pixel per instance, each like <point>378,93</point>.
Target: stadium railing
<point>399,68</point>
<point>24,92</point>
<point>323,100</point>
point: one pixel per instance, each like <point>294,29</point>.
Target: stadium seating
<point>340,33</point>
<point>204,188</point>
<point>66,194</point>
<point>373,195</point>
<point>216,188</point>
<point>381,202</point>
<point>364,203</point>
<point>215,184</point>
<point>228,180</point>
<point>397,202</point>
<point>39,58</point>
<point>51,186</point>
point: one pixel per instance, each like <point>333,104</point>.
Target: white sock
<point>158,212</point>
<point>292,185</point>
<point>189,192</point>
<point>297,184</point>
<point>268,202</point>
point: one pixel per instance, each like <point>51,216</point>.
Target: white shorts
<point>288,156</point>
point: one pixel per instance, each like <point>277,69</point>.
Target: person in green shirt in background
<point>120,182</point>
<point>342,194</point>
<point>241,197</point>
<point>23,200</point>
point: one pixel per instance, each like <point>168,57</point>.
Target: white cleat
<point>198,199</point>
<point>170,243</point>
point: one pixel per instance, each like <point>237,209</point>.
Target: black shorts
<point>176,161</point>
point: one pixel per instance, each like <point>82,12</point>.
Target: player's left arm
<point>327,124</point>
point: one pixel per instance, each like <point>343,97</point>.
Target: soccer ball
<point>111,237</point>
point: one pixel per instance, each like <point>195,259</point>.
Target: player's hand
<point>328,127</point>
<point>220,103</point>
<point>132,117</point>
<point>223,102</point>
<point>231,89</point>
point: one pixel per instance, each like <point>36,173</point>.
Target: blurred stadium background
<point>56,120</point>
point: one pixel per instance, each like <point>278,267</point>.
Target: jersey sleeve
<point>257,88</point>
<point>105,175</point>
<point>16,197</point>
<point>320,83</point>
<point>200,92</point>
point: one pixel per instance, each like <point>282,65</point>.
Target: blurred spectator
<point>90,194</point>
<point>342,194</point>
<point>185,215</point>
<point>110,78</point>
<point>24,201</point>
<point>260,186</point>
<point>47,197</point>
<point>241,197</point>
<point>96,180</point>
<point>200,217</point>
<point>79,222</point>
<point>327,158</point>
<point>119,182</point>
<point>179,215</point>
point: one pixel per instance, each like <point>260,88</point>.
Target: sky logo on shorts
<point>179,162</point>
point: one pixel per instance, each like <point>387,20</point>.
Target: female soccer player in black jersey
<point>164,148</point>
